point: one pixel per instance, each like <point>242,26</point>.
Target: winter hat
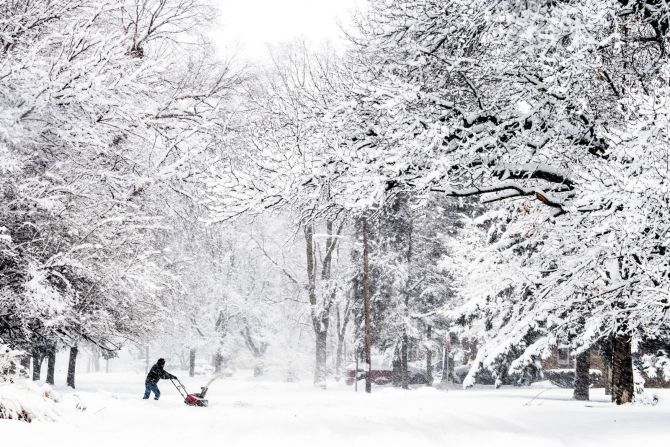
<point>161,362</point>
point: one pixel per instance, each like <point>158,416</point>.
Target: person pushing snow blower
<point>155,374</point>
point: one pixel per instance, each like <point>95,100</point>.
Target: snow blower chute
<point>193,399</point>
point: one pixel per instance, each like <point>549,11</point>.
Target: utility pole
<point>366,308</point>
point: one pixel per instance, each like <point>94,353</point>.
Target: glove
<point>172,376</point>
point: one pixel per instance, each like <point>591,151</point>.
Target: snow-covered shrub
<point>20,399</point>
<point>10,363</point>
<point>655,366</point>
<point>460,373</point>
<point>642,397</point>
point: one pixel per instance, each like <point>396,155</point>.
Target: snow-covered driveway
<point>245,412</point>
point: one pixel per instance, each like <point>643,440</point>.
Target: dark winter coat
<point>156,373</point>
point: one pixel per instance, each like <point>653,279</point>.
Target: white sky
<point>248,26</point>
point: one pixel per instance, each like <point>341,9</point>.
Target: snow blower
<point>193,399</point>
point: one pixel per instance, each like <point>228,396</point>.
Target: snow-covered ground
<point>248,412</point>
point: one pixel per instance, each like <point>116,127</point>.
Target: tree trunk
<point>257,348</point>
<point>95,357</point>
<point>259,367</point>
<point>339,357</point>
<point>582,377</point>
<point>344,350</point>
<point>320,314</point>
<point>218,362</point>
<point>320,370</point>
<point>71,366</point>
<point>447,361</point>
<point>405,338</point>
<point>37,364</point>
<point>191,363</point>
<point>342,321</point>
<point>404,370</point>
<point>51,366</point>
<point>606,354</point>
<point>429,357</point>
<point>366,309</point>
<point>607,377</point>
<point>622,370</point>
<point>443,362</point>
<point>25,366</point>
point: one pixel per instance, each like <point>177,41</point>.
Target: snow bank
<point>20,398</point>
<point>25,401</point>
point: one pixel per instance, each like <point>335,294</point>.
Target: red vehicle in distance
<point>382,374</point>
<point>378,376</point>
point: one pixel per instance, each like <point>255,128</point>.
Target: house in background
<point>562,358</point>
<point>560,366</point>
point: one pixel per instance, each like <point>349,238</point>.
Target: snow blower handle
<point>180,386</point>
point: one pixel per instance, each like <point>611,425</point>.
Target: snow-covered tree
<point>101,111</point>
<point>556,103</point>
<point>281,165</point>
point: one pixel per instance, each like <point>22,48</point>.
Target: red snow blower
<point>193,399</point>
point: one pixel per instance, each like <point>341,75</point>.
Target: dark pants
<point>149,387</point>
